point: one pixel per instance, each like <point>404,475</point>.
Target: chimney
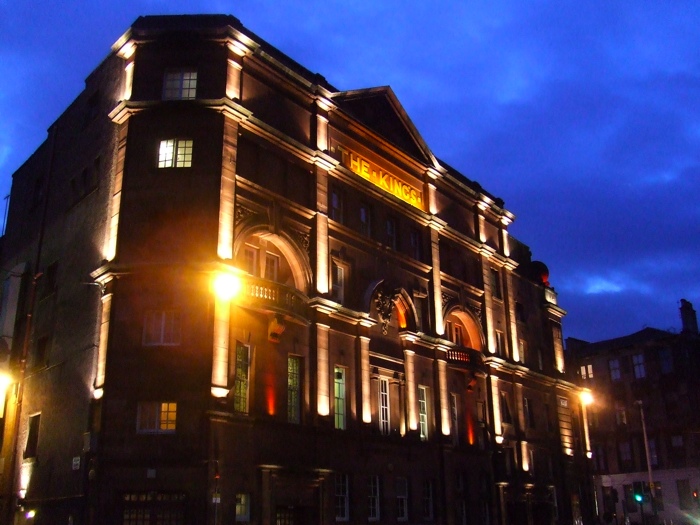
<point>689,320</point>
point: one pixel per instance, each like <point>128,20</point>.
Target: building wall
<point>364,264</point>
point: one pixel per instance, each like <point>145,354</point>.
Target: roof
<point>642,337</point>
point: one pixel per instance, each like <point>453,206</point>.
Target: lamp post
<point>586,398</point>
<point>648,456</point>
<point>226,284</point>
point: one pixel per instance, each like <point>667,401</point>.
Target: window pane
<point>423,412</point>
<point>339,398</point>
<point>384,406</point>
<point>240,389</point>
<point>294,389</point>
<point>184,154</point>
<point>168,414</point>
<point>166,153</point>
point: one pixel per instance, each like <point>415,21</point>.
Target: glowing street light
<point>586,398</point>
<point>226,285</point>
<point>5,380</point>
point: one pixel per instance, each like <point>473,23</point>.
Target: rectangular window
<point>458,335</point>
<point>294,389</point>
<point>666,360</point>
<point>41,354</point>
<point>685,497</point>
<point>373,499</point>
<point>240,382</point>
<point>496,284</point>
<point>250,260</point>
<point>620,413</point>
<point>614,367</point>
<point>180,85</point>
<point>384,406</point>
<point>416,244</point>
<point>454,418</point>
<point>365,219</point>
<point>428,500</point>
<point>161,328</point>
<point>423,412</point>
<point>339,381</point>
<point>586,371</point>
<point>342,498</point>
<point>500,346</point>
<point>520,312</point>
<point>418,304</point>
<point>243,507</point>
<point>522,349</point>
<point>653,456</point>
<point>156,417</point>
<point>49,280</point>
<point>391,235</point>
<point>639,368</point>
<point>175,153</point>
<point>163,508</point>
<point>336,205</point>
<point>32,436</point>
<point>505,409</point>
<point>337,282</point>
<point>600,464</point>
<point>401,499</point>
<point>528,413</point>
<point>625,451</point>
<point>272,264</point>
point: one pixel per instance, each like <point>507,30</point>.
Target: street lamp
<point>648,456</point>
<point>226,285</point>
<point>586,398</point>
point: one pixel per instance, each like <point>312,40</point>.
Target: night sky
<point>583,116</point>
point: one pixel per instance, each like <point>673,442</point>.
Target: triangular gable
<point>380,110</point>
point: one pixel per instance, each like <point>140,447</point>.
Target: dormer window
<point>180,84</point>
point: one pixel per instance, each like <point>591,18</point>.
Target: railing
<point>261,293</point>
<point>464,356</point>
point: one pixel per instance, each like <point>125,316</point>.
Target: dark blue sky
<point>583,116</point>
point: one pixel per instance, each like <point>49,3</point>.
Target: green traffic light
<point>638,497</point>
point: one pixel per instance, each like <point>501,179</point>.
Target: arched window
<point>462,329</point>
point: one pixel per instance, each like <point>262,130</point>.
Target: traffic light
<point>638,491</point>
<point>695,498</point>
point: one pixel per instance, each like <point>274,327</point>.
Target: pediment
<point>379,110</point>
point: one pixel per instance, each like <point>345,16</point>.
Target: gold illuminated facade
<point>253,297</point>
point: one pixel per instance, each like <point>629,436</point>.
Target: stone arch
<point>473,334</point>
<point>386,301</point>
<point>294,254</point>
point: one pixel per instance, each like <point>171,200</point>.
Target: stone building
<point>233,292</point>
<point>644,424</point>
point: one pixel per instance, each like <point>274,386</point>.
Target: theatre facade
<point>235,293</point>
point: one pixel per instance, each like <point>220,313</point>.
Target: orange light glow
<point>226,285</point>
<point>470,429</point>
<point>270,399</point>
<point>401,316</point>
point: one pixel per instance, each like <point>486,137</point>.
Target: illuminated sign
<point>386,181</point>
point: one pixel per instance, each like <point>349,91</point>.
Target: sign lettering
<point>386,181</point>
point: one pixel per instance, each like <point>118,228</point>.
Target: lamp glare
<point>226,286</point>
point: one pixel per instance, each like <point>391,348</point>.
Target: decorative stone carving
<point>446,298</point>
<point>384,301</point>
<point>242,213</point>
<point>304,239</point>
<point>477,312</point>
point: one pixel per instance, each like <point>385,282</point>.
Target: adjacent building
<point>233,292</point>
<point>645,423</point>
